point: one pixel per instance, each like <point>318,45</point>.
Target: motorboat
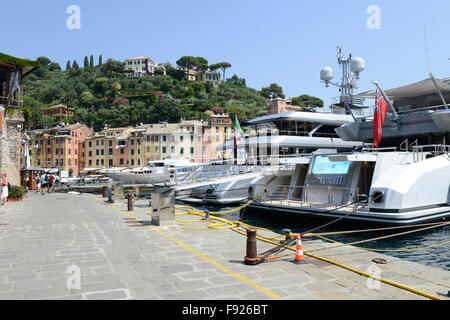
<point>378,186</point>
<point>159,171</point>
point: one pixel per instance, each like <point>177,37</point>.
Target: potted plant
<point>16,193</point>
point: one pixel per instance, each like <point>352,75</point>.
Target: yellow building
<point>35,149</point>
<point>95,151</point>
<point>220,131</point>
<point>136,148</point>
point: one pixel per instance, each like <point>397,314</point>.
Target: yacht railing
<point>412,111</point>
<point>375,149</point>
<point>302,196</point>
<point>203,173</point>
<point>421,110</point>
<point>273,159</point>
<point>422,152</point>
<point>284,132</point>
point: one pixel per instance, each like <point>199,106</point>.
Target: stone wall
<point>10,143</point>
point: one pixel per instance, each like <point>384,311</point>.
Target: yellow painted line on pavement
<point>247,281</point>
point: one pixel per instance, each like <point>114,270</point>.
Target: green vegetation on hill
<point>103,94</point>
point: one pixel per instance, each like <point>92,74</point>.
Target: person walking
<point>51,180</point>
<point>38,183</point>
<point>5,192</point>
<point>44,183</point>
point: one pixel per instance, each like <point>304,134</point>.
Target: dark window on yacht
<point>378,197</point>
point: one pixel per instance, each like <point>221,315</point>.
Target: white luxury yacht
<point>273,144</point>
<point>398,183</point>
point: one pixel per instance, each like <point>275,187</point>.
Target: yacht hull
<point>405,217</point>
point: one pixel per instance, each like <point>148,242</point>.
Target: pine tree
<point>91,61</point>
<point>74,64</point>
<point>68,65</point>
<point>86,62</point>
<point>100,60</point>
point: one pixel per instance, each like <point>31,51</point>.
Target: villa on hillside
<point>143,66</point>
<point>204,76</point>
<point>12,71</point>
<point>59,111</point>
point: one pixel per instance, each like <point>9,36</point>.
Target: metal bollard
<point>105,191</point>
<point>110,191</point>
<point>251,257</point>
<point>130,201</point>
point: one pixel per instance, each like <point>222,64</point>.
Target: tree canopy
<point>309,103</point>
<point>272,92</point>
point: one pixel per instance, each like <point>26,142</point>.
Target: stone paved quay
<point>42,236</point>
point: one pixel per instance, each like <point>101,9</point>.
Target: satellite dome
<point>326,74</point>
<point>357,65</point>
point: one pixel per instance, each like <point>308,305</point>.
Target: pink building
<point>61,145</point>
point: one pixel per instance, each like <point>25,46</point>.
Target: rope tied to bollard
<point>280,244</point>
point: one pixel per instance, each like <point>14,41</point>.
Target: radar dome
<point>357,65</point>
<point>326,74</point>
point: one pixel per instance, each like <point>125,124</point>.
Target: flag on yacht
<point>381,108</point>
<point>237,129</point>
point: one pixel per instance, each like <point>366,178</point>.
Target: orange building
<point>59,147</point>
<point>279,105</point>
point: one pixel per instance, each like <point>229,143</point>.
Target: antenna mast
<point>351,68</point>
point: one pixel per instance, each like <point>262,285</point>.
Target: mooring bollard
<point>105,191</point>
<point>130,201</point>
<point>251,254</point>
<point>110,191</point>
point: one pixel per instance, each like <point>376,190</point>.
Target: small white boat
<point>159,171</point>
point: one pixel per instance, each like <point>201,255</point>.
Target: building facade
<point>12,71</point>
<point>76,147</point>
<point>59,111</point>
<point>108,148</point>
<point>204,76</point>
<point>279,105</point>
<point>58,147</point>
<point>143,66</point>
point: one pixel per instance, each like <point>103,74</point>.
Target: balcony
<point>12,102</point>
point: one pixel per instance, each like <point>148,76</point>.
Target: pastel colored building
<point>58,147</point>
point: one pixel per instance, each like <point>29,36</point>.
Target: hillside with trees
<point>104,94</point>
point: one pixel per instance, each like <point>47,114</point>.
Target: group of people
<point>45,183</point>
<point>5,189</point>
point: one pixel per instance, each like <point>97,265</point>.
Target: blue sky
<point>284,41</point>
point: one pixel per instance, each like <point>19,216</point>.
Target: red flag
<point>381,108</point>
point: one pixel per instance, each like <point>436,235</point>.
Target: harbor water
<point>398,246</point>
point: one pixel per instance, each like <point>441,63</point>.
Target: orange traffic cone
<point>299,257</point>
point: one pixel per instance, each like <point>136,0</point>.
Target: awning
<point>26,65</point>
<point>421,88</point>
